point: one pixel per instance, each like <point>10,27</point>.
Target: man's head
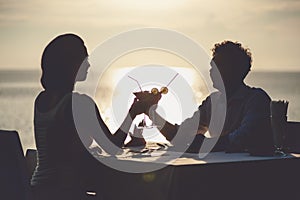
<point>232,60</point>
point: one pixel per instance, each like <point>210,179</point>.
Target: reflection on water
<point>18,90</point>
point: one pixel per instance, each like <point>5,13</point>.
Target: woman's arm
<point>120,135</point>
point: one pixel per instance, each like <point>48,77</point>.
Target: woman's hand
<point>136,108</point>
<point>143,102</point>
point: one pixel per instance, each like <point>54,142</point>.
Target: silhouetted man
<point>247,121</point>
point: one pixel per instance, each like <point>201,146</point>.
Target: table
<point>219,175</point>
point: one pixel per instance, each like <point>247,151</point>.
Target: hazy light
<point>170,105</point>
<point>148,4</point>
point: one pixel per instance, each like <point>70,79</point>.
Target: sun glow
<point>114,107</point>
<point>148,4</point>
<point>169,103</point>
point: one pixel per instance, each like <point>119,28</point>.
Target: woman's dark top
<point>61,154</point>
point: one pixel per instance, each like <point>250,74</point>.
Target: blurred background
<point>270,28</point>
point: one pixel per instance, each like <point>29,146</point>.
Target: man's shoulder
<point>214,97</point>
<point>258,93</point>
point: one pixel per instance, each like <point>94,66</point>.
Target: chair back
<point>293,137</point>
<point>14,180</point>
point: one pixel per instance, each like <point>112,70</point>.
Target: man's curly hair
<point>238,59</point>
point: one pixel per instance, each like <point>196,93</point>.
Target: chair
<point>31,162</point>
<point>14,180</point>
<point>292,139</point>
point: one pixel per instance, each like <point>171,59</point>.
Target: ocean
<point>18,90</point>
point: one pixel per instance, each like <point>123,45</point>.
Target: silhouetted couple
<point>62,156</point>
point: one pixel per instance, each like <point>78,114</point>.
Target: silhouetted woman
<point>62,156</point>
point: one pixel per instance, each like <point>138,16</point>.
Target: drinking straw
<point>144,121</point>
<point>172,79</point>
<point>166,85</point>
<point>136,82</point>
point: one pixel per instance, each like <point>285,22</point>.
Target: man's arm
<point>120,135</point>
<point>198,121</point>
<point>168,130</point>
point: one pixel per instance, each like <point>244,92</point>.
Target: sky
<point>270,28</point>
